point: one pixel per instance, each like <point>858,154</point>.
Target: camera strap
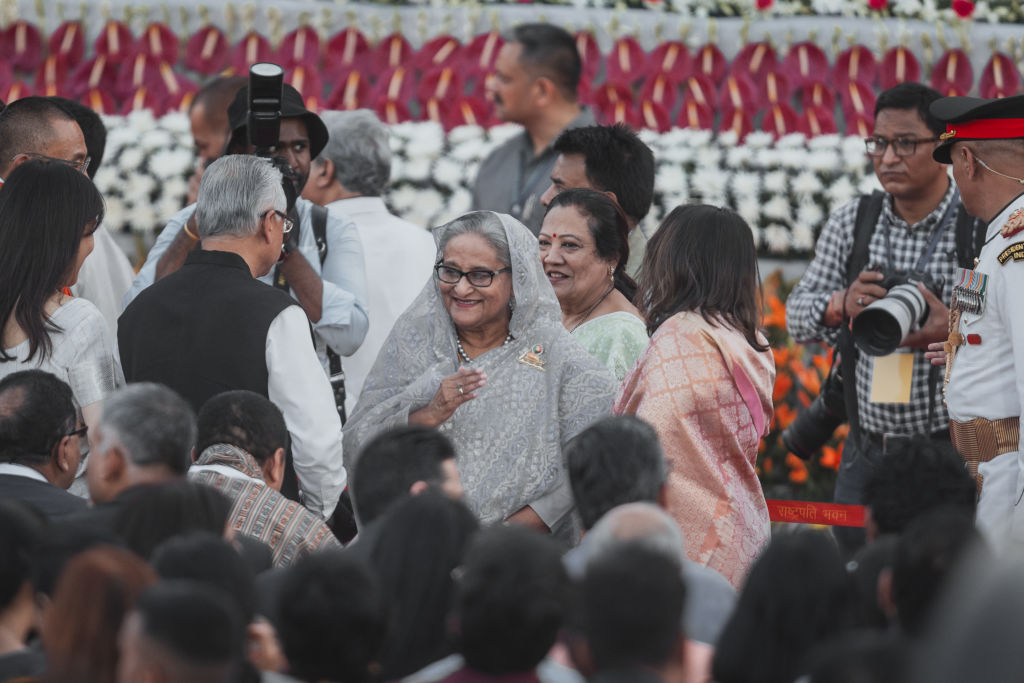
<point>933,242</point>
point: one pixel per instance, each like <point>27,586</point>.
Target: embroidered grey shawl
<point>509,439</point>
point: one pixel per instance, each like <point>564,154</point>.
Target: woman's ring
<point>460,389</point>
<point>860,301</point>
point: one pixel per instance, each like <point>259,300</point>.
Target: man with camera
<point>322,261</point>
<point>890,257</point>
<point>984,143</point>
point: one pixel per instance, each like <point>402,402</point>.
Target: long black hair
<point>608,227</point>
<point>702,258</point>
<point>44,210</point>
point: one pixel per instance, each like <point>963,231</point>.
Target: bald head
<point>643,523</point>
<point>38,126</point>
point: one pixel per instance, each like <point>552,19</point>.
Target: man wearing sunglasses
<point>916,224</point>
<point>42,443</point>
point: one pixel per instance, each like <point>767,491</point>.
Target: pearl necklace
<point>462,351</point>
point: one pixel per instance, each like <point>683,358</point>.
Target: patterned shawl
<point>508,440</point>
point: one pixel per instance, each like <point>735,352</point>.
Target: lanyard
<point>933,242</point>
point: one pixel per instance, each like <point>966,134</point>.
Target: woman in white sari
<point>482,355</point>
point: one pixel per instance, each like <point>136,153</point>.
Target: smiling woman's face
<point>570,259</point>
<point>476,308</point>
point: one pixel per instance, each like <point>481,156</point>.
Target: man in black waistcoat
<point>212,327</point>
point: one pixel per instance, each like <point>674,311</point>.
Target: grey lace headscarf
<point>508,440</point>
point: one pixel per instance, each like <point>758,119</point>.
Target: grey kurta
<point>509,439</point>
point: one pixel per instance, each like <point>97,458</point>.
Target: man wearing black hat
<point>326,277</point>
<point>984,143</point>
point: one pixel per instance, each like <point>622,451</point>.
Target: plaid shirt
<point>806,305</point>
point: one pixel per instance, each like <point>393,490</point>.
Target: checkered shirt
<point>826,274</point>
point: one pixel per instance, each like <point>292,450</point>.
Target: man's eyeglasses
<point>477,278</point>
<point>901,147</point>
<point>286,223</point>
<point>83,441</point>
<point>79,166</point>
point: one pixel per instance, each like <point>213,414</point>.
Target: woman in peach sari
<point>705,381</point>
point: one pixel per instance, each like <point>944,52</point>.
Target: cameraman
<point>331,287</point>
<point>915,227</point>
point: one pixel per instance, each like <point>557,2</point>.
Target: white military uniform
<point>987,377</point>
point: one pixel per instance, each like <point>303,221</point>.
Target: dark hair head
<point>420,541</point>
<point>550,51</point>
<point>45,209</point>
<point>215,97</point>
<point>608,228</point>
<point>26,127</point>
<point>392,462</point>
<point>702,258</point>
<point>915,96</point>
<point>616,161</point>
<point>632,608</point>
<point>94,595</point>
<point>93,130</point>
<point>243,419</point>
<point>922,474</point>
<point>614,461</point>
<point>864,657</point>
<point>36,411</point>
<point>333,618</point>
<point>927,555</point>
<point>19,528</point>
<point>511,600</point>
<point>193,622</point>
<point>207,558</point>
<point>152,514</point>
<point>797,595</point>
<point>63,540</point>
<point>865,568</point>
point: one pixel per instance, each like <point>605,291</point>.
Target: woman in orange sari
<point>705,381</point>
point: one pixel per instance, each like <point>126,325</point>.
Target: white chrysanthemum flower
<point>854,157</point>
<point>448,173</point>
<point>177,189</point>
<point>745,186</point>
<point>767,158</point>
<point>868,184</point>
<point>107,180</point>
<point>115,214</point>
<point>806,184</point>
<point>840,192</point>
<point>794,158</point>
<point>709,157</point>
<point>167,206</point>
<point>417,169</point>
<point>829,142</point>
<point>810,214</point>
<point>139,188</point>
<point>778,208</point>
<point>802,237</point>
<point>669,179</point>
<point>130,160</point>
<point>824,160</point>
<point>403,199</point>
<point>176,122</point>
<point>427,205</point>
<point>500,133</point>
<point>141,120</point>
<point>776,182</point>
<point>169,163</point>
<point>759,139</point>
<point>470,150</point>
<point>791,140</point>
<point>729,139</point>
<point>142,218</point>
<point>750,210</point>
<point>460,202</point>
<point>828,6</point>
<point>739,156</point>
<point>461,134</point>
<point>428,143</point>
<point>397,169</point>
<point>776,238</point>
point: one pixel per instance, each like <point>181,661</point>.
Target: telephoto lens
<point>882,326</point>
<point>814,426</point>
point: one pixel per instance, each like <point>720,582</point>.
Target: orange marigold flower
<point>776,315</point>
<point>783,385</point>
<point>784,415</point>
<point>797,469</point>
<point>781,356</point>
<point>830,457</point>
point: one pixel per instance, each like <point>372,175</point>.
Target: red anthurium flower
<point>878,4</point>
<point>963,8</point>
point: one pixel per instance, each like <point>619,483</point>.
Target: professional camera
<point>264,122</point>
<point>814,426</point>
<point>882,326</point>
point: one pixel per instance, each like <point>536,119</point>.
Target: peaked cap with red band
<point>975,118</point>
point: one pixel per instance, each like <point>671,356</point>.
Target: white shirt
<point>399,259</point>
<point>298,386</point>
<point>105,277</point>
<point>17,470</point>
<point>987,380</point>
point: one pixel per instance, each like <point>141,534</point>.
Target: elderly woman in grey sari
<point>482,355</point>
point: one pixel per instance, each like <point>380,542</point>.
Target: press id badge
<point>892,377</point>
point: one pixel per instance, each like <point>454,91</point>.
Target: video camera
<point>264,122</point>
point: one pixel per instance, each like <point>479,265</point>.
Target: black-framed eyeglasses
<point>286,223</point>
<point>901,147</point>
<point>81,431</point>
<point>79,166</point>
<point>83,441</point>
<point>477,278</point>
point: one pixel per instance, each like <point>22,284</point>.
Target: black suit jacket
<point>52,501</point>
